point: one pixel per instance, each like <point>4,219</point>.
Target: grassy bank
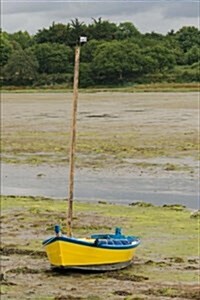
<point>153,87</point>
<point>166,264</point>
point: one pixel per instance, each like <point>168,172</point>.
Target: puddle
<point>25,180</point>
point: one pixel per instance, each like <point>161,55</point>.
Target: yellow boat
<point>100,252</point>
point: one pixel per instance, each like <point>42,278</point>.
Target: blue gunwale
<point>89,244</point>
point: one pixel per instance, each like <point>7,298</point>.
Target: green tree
<point>22,38</point>
<point>101,30</point>
<point>21,68</point>
<point>88,50</point>
<point>77,29</point>
<point>171,43</point>
<point>115,62</point>
<point>193,55</point>
<point>42,36</point>
<point>62,34</point>
<point>114,54</point>
<point>53,58</point>
<point>188,37</point>
<point>162,57</point>
<point>126,30</point>
<point>5,49</point>
<point>155,36</point>
<point>86,75</point>
<point>57,33</point>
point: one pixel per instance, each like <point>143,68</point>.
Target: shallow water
<point>98,185</point>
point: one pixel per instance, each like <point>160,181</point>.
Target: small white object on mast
<point>83,39</point>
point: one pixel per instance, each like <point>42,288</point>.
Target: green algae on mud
<point>163,230</point>
<point>166,263</point>
<point>112,128</point>
<point>48,147</point>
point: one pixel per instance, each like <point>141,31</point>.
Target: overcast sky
<point>159,16</point>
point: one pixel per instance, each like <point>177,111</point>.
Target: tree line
<point>115,55</point>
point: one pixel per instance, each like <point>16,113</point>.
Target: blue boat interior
<point>116,240</point>
<point>113,239</point>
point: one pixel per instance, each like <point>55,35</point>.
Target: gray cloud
<point>65,6</point>
<point>187,9</point>
<point>147,15</point>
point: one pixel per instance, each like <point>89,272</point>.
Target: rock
<point>141,204</point>
<point>177,260</point>
<point>195,214</point>
<point>176,207</point>
<point>2,277</point>
<point>40,175</point>
<point>102,202</point>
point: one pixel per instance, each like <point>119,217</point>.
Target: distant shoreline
<point>154,87</point>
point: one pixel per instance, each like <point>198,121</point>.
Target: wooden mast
<point>73,142</point>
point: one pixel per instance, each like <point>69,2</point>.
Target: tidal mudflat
<point>138,130</point>
<point>147,136</point>
<point>148,141</point>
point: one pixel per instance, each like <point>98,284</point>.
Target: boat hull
<point>100,267</point>
<point>71,253</point>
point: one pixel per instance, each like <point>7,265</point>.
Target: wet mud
<point>154,273</point>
